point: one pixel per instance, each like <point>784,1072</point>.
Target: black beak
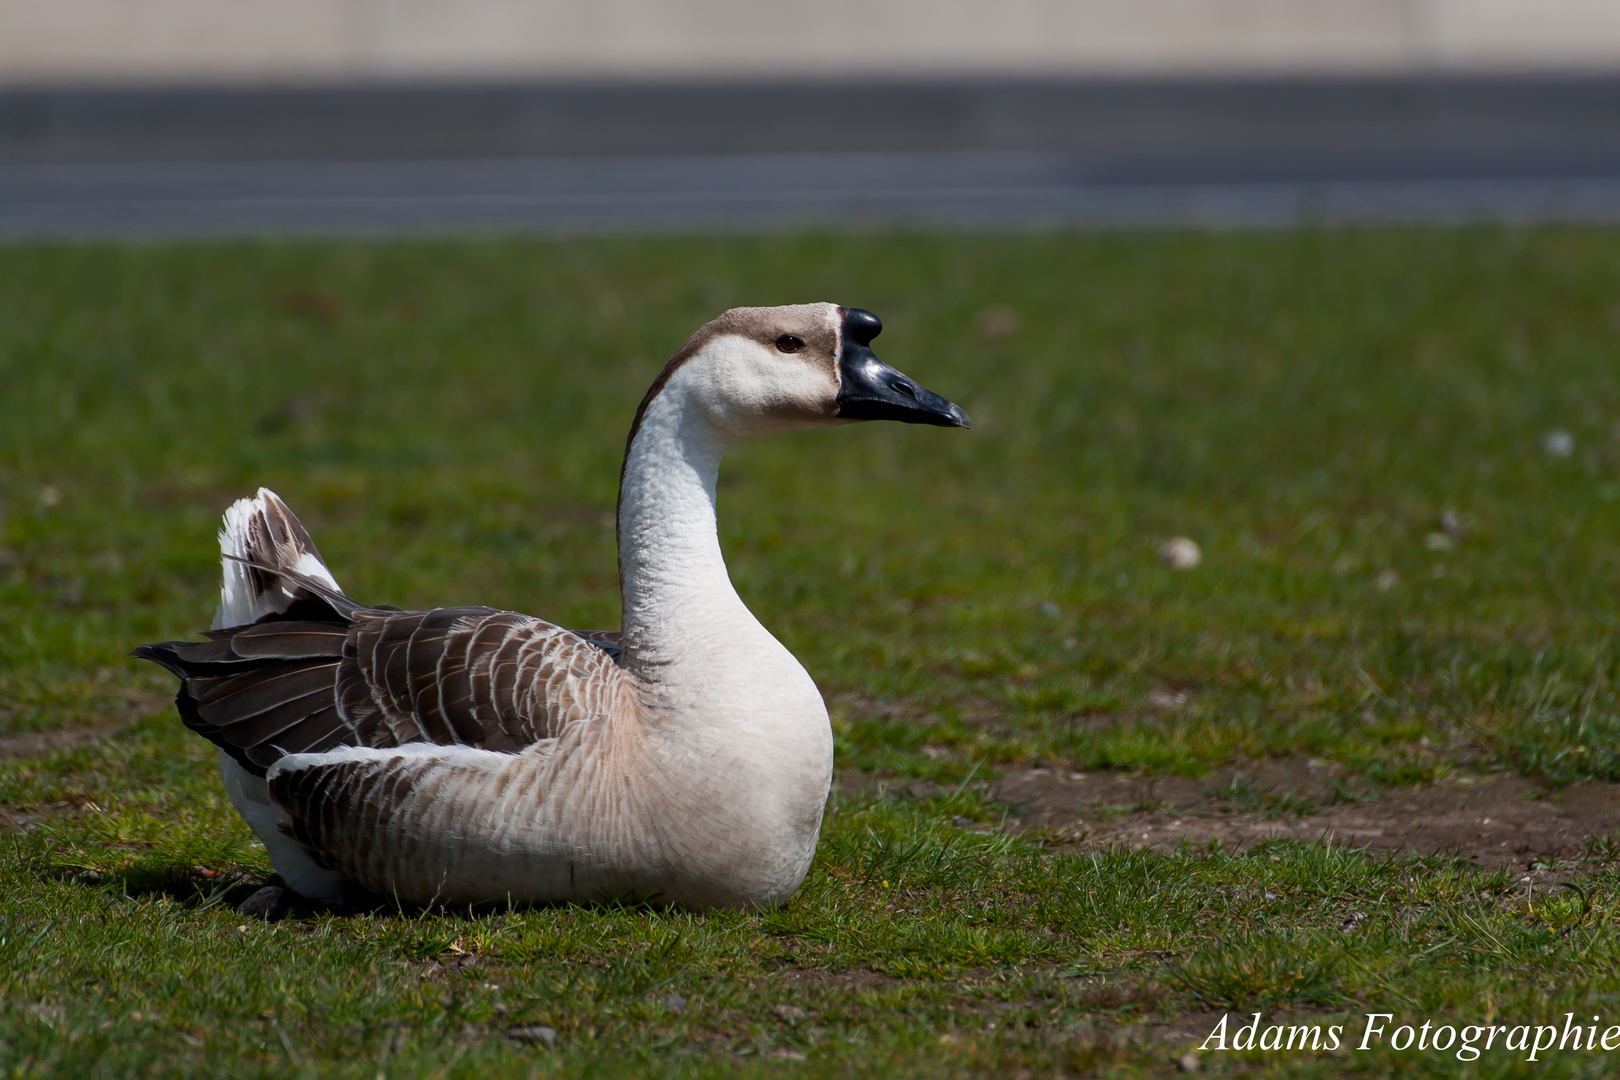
<point>869,389</point>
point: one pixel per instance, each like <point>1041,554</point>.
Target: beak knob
<point>861,326</point>
<point>869,389</point>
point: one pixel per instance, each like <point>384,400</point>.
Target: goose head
<point>758,370</point>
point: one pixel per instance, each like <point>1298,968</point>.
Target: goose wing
<point>329,672</point>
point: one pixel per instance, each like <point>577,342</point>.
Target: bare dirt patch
<point>1492,818</point>
<point>853,979</point>
<point>21,819</point>
<point>37,745</point>
<point>41,743</point>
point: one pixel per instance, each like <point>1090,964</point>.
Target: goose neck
<point>677,594</point>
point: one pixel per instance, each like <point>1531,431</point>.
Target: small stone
<point>1189,1063</point>
<point>1051,610</point>
<point>1558,443</point>
<point>997,323</point>
<point>1387,580</point>
<point>789,1014</point>
<point>50,497</point>
<point>1180,553</point>
<point>1167,700</point>
<point>674,1003</point>
<point>1439,541</point>
<point>533,1033</point>
<point>269,903</point>
<point>1452,524</point>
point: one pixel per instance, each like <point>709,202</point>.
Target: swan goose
<point>466,754</point>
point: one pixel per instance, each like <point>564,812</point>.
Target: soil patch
<point>38,744</point>
<point>21,819</point>
<point>854,979</point>
<point>1491,818</point>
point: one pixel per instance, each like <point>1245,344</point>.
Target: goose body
<point>467,755</point>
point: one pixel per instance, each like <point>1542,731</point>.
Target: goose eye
<point>789,343</point>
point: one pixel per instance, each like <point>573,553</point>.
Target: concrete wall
<point>344,40</point>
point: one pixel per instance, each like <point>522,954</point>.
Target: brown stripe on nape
<point>694,344</point>
<point>744,322</point>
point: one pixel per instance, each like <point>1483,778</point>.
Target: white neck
<point>669,549</point>
<point>726,710</point>
<point>685,630</point>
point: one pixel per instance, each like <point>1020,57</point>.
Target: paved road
<point>737,192</point>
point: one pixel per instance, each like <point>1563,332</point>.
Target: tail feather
<point>274,696</point>
<point>266,551</point>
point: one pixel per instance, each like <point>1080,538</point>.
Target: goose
<point>470,755</point>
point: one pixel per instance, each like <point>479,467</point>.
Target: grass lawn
<point>1399,451</point>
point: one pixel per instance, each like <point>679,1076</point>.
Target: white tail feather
<point>263,530</point>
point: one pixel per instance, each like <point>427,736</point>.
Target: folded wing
<point>328,672</point>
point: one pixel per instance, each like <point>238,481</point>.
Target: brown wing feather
<point>297,682</point>
<point>479,677</point>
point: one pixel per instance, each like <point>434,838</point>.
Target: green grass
<point>448,419</point>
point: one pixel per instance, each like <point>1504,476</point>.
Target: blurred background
<point>243,116</point>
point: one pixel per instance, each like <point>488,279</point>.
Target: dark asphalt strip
<point>995,191</point>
